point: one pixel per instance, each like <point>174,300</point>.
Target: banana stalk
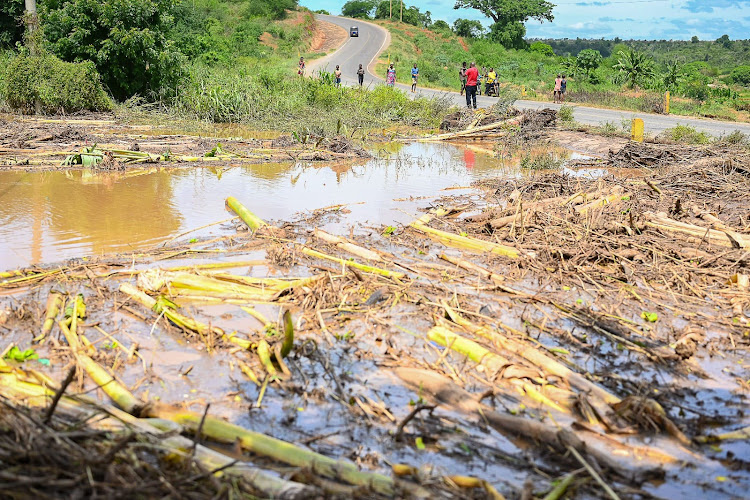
<point>54,305</point>
<point>253,221</point>
<point>35,390</point>
<point>363,267</point>
<point>464,242</point>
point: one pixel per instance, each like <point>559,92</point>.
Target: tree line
<point>508,17</point>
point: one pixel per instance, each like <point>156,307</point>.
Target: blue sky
<point>642,19</point>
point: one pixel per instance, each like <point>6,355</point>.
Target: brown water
<point>52,216</point>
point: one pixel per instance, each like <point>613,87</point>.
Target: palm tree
<point>674,73</point>
<point>634,67</point>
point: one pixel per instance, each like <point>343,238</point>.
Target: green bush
<point>684,134</point>
<point>741,75</point>
<point>542,48</point>
<point>58,86</point>
<point>565,114</point>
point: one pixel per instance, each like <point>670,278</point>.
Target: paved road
<point>373,40</point>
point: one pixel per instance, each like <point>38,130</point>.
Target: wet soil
<point>559,324</point>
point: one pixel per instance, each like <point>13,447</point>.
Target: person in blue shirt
<point>414,76</point>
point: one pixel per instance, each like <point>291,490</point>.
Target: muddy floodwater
<point>55,215</point>
<point>445,321</point>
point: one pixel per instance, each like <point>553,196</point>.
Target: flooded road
<point>53,216</point>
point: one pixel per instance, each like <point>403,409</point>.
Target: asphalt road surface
<point>373,40</point>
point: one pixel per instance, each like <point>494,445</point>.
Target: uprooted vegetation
<point>557,335</point>
<point>108,145</point>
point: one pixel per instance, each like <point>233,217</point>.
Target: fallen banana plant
<point>36,390</point>
<point>465,242</point>
<point>223,432</point>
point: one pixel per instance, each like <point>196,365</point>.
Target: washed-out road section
<point>374,39</point>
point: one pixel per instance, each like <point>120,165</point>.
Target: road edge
<point>316,63</point>
<point>386,43</point>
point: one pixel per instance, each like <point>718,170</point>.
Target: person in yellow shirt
<point>491,81</point>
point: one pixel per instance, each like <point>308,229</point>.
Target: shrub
<point>56,85</point>
<point>685,134</point>
<point>741,75</point>
<point>542,48</point>
<point>736,138</point>
<point>565,114</point>
<point>541,160</point>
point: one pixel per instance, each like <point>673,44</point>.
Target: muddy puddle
<point>55,215</point>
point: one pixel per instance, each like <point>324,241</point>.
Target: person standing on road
<point>462,77</point>
<point>301,66</point>
<point>361,75</point>
<point>390,76</point>
<point>471,86</point>
<point>414,76</point>
<point>337,75</point>
<point>558,87</point>
<point>563,88</point>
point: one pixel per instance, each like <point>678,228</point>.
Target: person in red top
<point>471,85</point>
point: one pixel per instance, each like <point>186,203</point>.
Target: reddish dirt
<point>268,40</point>
<point>463,44</point>
<point>327,36</point>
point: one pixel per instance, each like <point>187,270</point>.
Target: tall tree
<point>633,67</point>
<point>467,28</point>
<point>508,17</point>
<point>358,8</point>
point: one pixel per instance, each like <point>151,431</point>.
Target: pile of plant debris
<point>556,336</point>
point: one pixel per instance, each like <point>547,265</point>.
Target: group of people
<point>390,75</point>
<point>561,86</point>
<point>471,81</point>
<point>487,78</point>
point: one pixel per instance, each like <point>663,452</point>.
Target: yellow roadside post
<point>636,130</point>
<point>667,98</point>
<point>523,90</point>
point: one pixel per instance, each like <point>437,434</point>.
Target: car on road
<point>354,31</point>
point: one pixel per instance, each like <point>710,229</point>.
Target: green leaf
<point>389,230</point>
<point>420,443</point>
<point>651,317</point>
<point>193,240</point>
<point>216,151</point>
<point>17,354</point>
<point>559,350</point>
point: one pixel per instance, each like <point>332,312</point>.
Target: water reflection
<point>52,216</point>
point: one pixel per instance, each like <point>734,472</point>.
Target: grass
<point>541,159</point>
<point>255,97</point>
